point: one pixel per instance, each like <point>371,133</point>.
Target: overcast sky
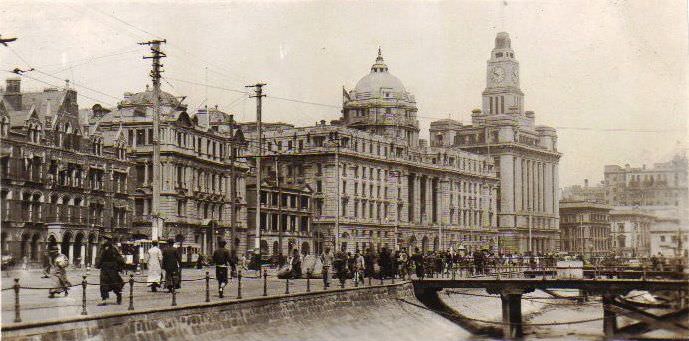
<point>591,65</point>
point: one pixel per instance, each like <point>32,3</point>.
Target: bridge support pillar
<point>609,316</point>
<point>512,313</point>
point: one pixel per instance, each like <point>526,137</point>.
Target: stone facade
<point>196,170</point>
<point>630,232</point>
<point>585,193</point>
<point>585,228</point>
<point>61,184</point>
<point>525,156</point>
<point>661,189</point>
<point>286,214</point>
<point>668,239</point>
<point>394,190</point>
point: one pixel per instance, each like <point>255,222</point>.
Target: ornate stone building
<point>630,232</point>
<point>61,184</point>
<point>196,169</point>
<point>661,189</point>
<point>387,187</point>
<point>585,228</point>
<point>286,213</point>
<point>525,155</point>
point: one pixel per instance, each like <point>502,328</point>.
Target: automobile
<point>7,261</point>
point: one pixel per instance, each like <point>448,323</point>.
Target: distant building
<point>196,170</point>
<point>393,187</point>
<point>525,155</point>
<point>286,215</point>
<point>585,228</point>
<point>668,239</point>
<point>62,184</point>
<point>661,189</point>
<point>585,193</point>
<point>630,232</point>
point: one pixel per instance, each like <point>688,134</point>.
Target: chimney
<point>586,182</point>
<point>13,94</point>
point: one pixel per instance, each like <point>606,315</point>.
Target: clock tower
<point>502,94</point>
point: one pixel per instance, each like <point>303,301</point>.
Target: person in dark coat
<point>171,264</point>
<point>417,259</point>
<point>296,264</point>
<point>221,258</point>
<point>110,262</point>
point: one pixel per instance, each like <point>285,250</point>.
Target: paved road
<point>36,306</point>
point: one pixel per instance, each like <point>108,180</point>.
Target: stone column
<point>82,259</point>
<point>71,252</point>
<point>507,182</point>
<point>518,184</point>
<point>511,313</point>
<point>609,317</point>
<point>94,250</point>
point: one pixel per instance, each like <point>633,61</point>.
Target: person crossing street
<point>222,259</point>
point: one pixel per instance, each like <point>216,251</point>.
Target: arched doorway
<point>78,242</point>
<point>34,247</point>
<point>276,248</point>
<point>23,247</point>
<point>305,249</point>
<point>264,247</point>
<point>66,243</point>
<point>436,244</point>
<point>424,244</point>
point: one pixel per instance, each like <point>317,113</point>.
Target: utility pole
<point>259,127</point>
<point>233,185</point>
<point>157,220</point>
<point>279,225</point>
<point>335,138</point>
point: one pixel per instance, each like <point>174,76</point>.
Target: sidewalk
<point>36,306</point>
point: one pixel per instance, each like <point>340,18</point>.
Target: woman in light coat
<point>155,272</point>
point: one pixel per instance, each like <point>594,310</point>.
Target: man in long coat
<point>171,264</point>
<point>155,262</point>
<point>110,264</point>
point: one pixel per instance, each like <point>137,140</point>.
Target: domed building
<point>380,104</point>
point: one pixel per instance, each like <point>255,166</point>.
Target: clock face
<point>498,74</point>
<point>515,75</point>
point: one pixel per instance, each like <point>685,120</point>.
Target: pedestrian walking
<point>171,264</point>
<point>222,258</point>
<point>359,266</point>
<point>155,269</point>
<point>327,261</point>
<point>295,264</point>
<point>110,262</point>
<point>417,259</point>
<point>60,283</point>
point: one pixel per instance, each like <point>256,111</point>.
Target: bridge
<point>511,291</point>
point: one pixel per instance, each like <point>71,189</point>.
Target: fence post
<point>369,280</point>
<point>131,293</point>
<point>83,295</point>
<point>342,282</point>
<point>497,272</point>
<point>239,284</point>
<point>453,273</point>
<point>287,286</point>
<point>265,282</point>
<point>543,266</point>
<point>208,287</point>
<point>17,316</point>
<point>174,294</point>
<point>308,281</point>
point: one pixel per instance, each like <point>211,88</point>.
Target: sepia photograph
<point>290,170</point>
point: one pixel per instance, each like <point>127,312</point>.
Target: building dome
<point>146,98</point>
<point>380,83</point>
